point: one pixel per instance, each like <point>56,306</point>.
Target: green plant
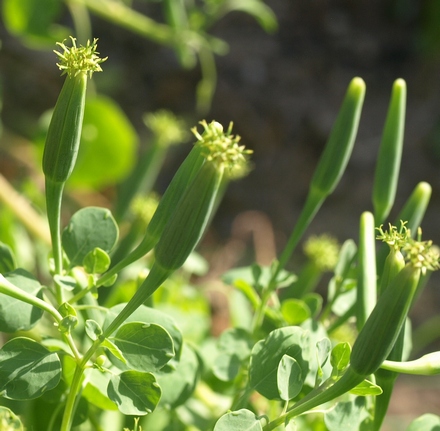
<point>113,329</point>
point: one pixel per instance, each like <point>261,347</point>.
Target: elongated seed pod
<point>366,287</point>
<point>377,337</point>
<point>189,219</point>
<point>390,154</point>
<point>412,213</point>
<point>330,167</point>
<point>191,214</point>
<point>427,365</point>
<point>339,146</point>
<point>175,190</point>
<point>63,136</point>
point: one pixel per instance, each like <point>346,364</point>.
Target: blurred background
<point>277,68</point>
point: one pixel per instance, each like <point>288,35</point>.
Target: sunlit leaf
<point>16,315</point>
<point>145,346</point>
<point>346,416</point>
<point>134,392</point>
<point>290,379</point>
<point>267,354</point>
<point>27,369</point>
<point>241,420</point>
<point>89,228</point>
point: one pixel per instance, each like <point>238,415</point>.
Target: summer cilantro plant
<point>114,330</point>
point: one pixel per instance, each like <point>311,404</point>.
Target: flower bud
<point>63,136</point>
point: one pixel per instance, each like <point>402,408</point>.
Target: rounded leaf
<point>135,393</point>
<point>150,315</point>
<point>295,311</point>
<point>16,315</point>
<point>145,346</point>
<point>241,420</point>
<point>89,228</point>
<point>290,379</point>
<point>27,369</point>
<point>267,354</point>
<point>426,422</point>
<point>346,416</point>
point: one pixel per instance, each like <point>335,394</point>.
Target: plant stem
<point>326,392</point>
<point>54,195</point>
<point>71,398</point>
<point>314,201</point>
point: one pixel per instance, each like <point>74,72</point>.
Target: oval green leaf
<point>27,369</point>
<point>426,422</point>
<point>135,393</point>
<point>7,258</point>
<point>267,354</point>
<point>16,315</point>
<point>346,416</point>
<point>366,388</point>
<point>88,229</point>
<point>96,261</point>
<point>95,391</point>
<point>290,379</point>
<point>145,346</point>
<point>340,357</point>
<point>241,420</point>
<point>150,315</point>
<point>295,311</point>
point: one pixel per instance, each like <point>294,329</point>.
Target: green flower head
<point>395,238</point>
<point>422,254</point>
<point>223,149</point>
<point>79,59</point>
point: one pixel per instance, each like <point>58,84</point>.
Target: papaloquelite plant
<point>104,339</point>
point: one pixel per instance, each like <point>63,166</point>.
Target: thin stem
<point>314,201</point>
<point>7,288</point>
<point>71,398</point>
<point>326,392</point>
<point>54,195</point>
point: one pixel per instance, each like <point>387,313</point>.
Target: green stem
<point>54,195</point>
<point>7,288</point>
<point>325,393</point>
<point>71,399</point>
<point>314,201</point>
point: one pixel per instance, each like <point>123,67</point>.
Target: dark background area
<point>282,91</point>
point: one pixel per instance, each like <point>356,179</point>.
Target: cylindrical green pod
<point>63,136</point>
<point>366,287</point>
<point>339,146</point>
<point>427,365</point>
<point>64,132</point>
<point>189,219</point>
<point>175,190</point>
<point>377,337</point>
<point>390,154</point>
<point>394,263</point>
<point>415,207</point>
<point>330,167</point>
